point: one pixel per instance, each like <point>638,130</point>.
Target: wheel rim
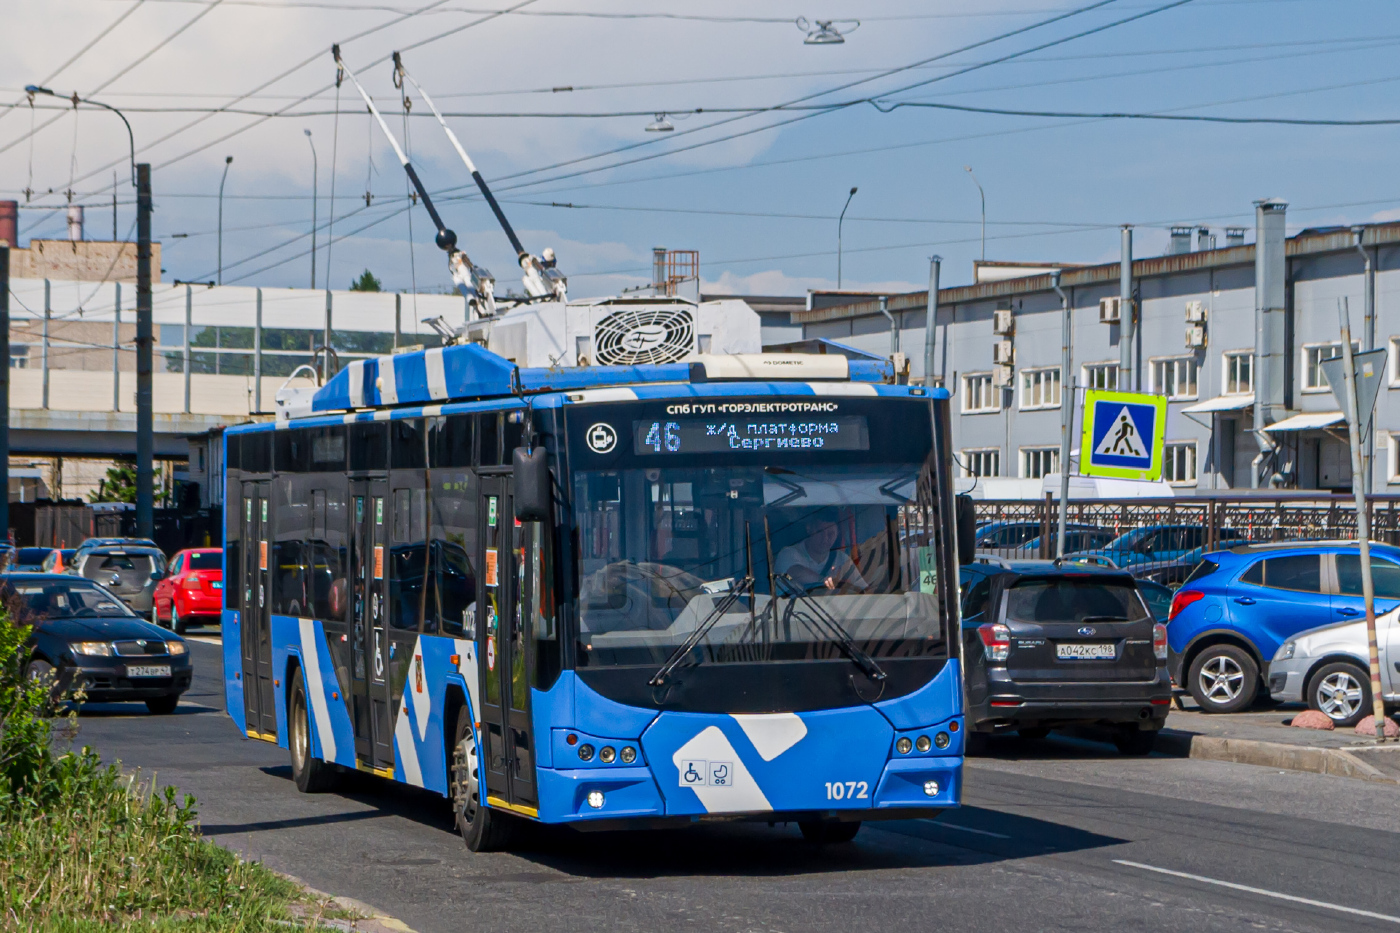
<point>299,734</point>
<point>1339,695</point>
<point>37,672</point>
<point>1221,679</point>
<point>466,789</point>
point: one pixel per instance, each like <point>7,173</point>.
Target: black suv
<point>1049,644</point>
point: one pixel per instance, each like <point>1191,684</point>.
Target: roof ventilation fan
<point>639,336</point>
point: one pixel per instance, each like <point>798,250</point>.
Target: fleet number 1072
<point>847,790</point>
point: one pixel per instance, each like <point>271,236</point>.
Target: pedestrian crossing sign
<point>1123,435</point>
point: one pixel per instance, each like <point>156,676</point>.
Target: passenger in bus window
<point>817,563</point>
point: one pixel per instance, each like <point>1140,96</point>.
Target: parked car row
<point>1080,641</point>
<point>88,609</point>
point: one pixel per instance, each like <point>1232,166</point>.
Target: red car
<point>192,591</point>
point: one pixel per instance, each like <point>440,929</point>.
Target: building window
<point>1101,376</point>
<point>1037,462</point>
<point>981,462</point>
<point>1239,372</point>
<point>1040,388</point>
<point>979,394</point>
<point>1179,463</point>
<point>1175,378</point>
<point>19,356</point>
<point>1313,357</point>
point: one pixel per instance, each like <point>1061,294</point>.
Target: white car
<point>1328,668</point>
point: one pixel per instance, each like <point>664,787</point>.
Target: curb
<point>373,919</point>
<point>1333,761</point>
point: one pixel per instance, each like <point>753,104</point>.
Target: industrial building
<point>1240,364</point>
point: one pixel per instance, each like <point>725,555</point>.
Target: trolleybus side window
<point>406,446</point>
<point>490,432</point>
<point>369,446</point>
<point>452,533</point>
<point>292,509</point>
<point>408,554</point>
<point>450,440</point>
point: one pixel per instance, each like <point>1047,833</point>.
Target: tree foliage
<point>366,283</point>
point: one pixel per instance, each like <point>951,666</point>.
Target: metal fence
<point>1163,538</point>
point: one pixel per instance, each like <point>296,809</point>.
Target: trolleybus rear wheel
<point>311,774</point>
<point>483,829</point>
<point>824,831</point>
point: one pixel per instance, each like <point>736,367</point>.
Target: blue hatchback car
<point>1238,606</point>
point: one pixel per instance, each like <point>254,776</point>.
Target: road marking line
<point>968,829</point>
<point>1266,893</point>
<point>206,639</point>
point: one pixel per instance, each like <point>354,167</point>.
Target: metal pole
<point>1126,323</point>
<point>1368,340</point>
<point>189,320</point>
<point>398,319</point>
<point>1363,532</point>
<point>5,389</point>
<point>1066,410</point>
<point>227,162</point>
<point>257,356</point>
<point>931,318</point>
<point>840,221</point>
<point>326,344</point>
<point>983,195</point>
<point>314,170</point>
<point>145,426</point>
<point>44,347</point>
<point>117,350</point>
<point>894,327</point>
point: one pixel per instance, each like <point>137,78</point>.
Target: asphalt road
<point>1053,836</point>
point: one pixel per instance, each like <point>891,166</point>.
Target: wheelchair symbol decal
<point>696,772</point>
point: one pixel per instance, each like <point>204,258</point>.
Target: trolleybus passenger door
<point>256,628</point>
<point>505,678</point>
<point>369,657</point>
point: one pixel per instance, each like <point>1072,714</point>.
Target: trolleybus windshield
<point>690,509</point>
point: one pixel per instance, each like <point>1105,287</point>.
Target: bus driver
<point>816,562</point>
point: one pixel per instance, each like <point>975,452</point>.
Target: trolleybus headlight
<point>922,743</point>
<point>931,788</point>
<point>595,799</point>
<point>941,740</point>
<point>607,755</point>
<point>903,745</point>
<point>629,755</point>
<point>585,752</point>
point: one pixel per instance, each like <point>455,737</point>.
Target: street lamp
<point>227,162</point>
<point>145,424</point>
<point>313,206</point>
<point>983,194</point>
<point>839,222</point>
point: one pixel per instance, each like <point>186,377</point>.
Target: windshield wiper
<point>862,660</point>
<point>701,631</point>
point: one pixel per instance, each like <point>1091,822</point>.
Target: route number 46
<point>847,790</point>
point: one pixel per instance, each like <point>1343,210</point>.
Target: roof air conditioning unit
<point>1003,352</point>
<point>1196,336</point>
<point>1003,323</point>
<point>644,335</point>
<point>1001,375</point>
<point>1109,310</point>
<point>1195,312</point>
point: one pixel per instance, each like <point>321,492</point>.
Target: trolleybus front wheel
<point>311,774</point>
<point>822,832</point>
<point>483,829</point>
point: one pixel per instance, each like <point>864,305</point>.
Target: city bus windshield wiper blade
<point>701,631</point>
<point>862,660</point>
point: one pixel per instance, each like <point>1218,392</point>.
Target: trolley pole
<point>1363,531</point>
<point>145,422</point>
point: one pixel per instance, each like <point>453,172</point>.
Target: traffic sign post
<point>1123,435</point>
<point>1355,379</point>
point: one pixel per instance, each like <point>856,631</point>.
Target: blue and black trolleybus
<point>604,596</point>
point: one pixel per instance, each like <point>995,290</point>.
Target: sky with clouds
<point>552,98</point>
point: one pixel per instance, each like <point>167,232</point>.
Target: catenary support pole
<point>326,344</point>
<point>257,355</point>
<point>931,320</point>
<point>1368,341</point>
<point>189,324</point>
<point>117,349</point>
<point>1126,322</point>
<point>145,421</point>
<point>1067,401</point>
<point>5,389</point>
<point>1363,530</point>
<point>44,346</point>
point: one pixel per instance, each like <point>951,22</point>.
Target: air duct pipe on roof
<point>1270,350</point>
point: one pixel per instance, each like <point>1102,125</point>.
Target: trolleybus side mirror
<point>532,485</point>
<point>965,515</point>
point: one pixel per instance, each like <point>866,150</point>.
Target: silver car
<point>1327,668</point>
<point>129,572</point>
